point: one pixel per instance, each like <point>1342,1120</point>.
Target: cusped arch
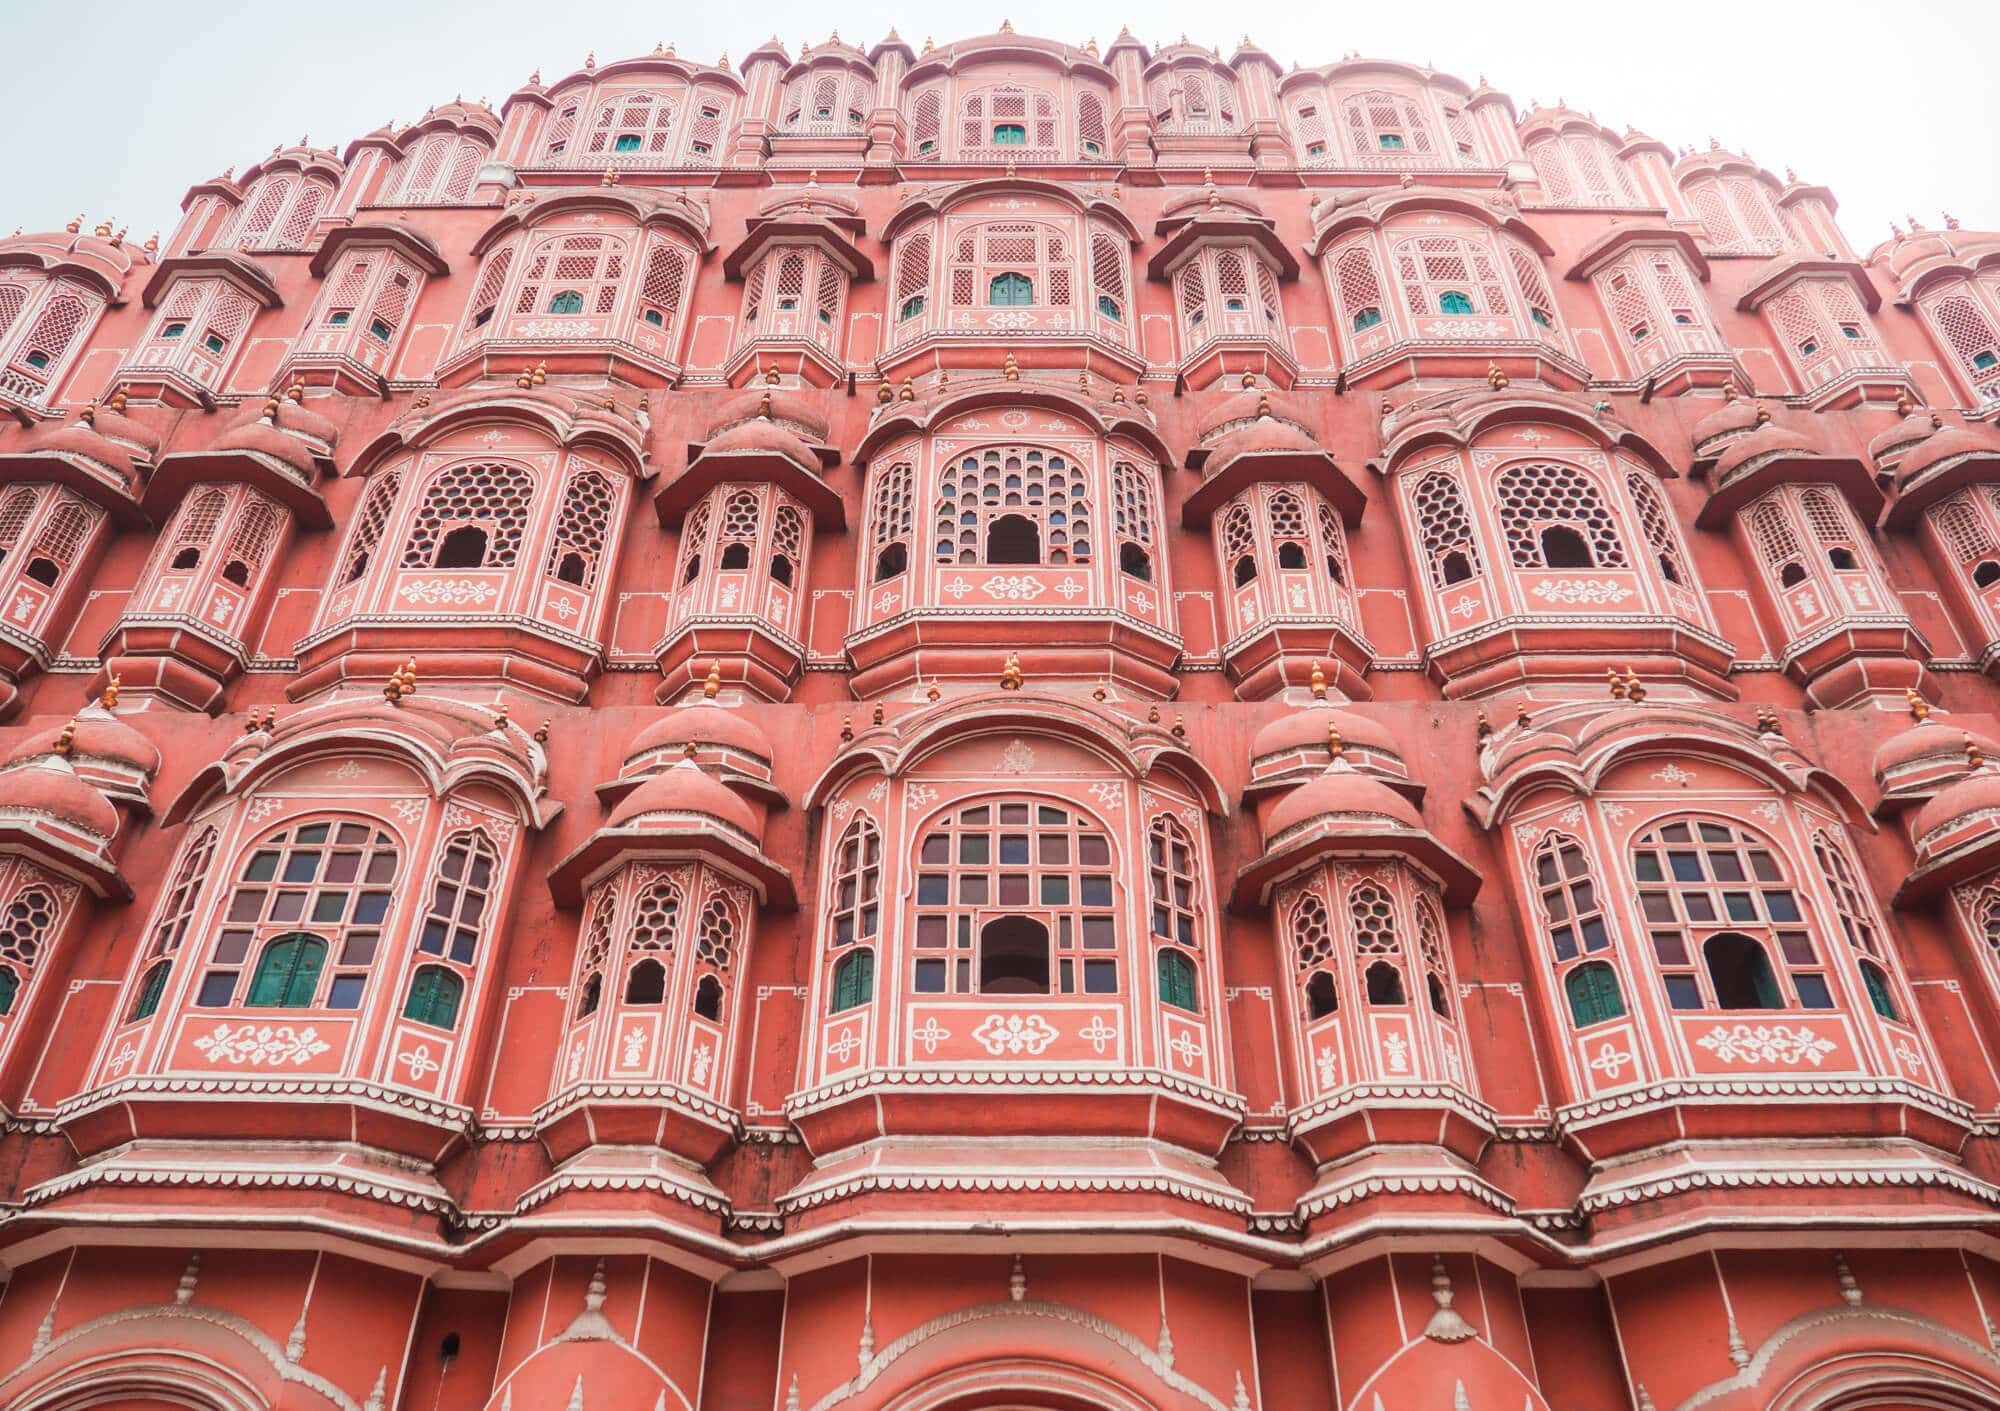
<point>568,422</point>
<point>1461,423</point>
<point>610,1371</point>
<point>1855,1355</point>
<point>1005,1353</point>
<point>643,207</point>
<point>1131,749</point>
<point>949,198</point>
<point>918,417</point>
<point>1378,212</point>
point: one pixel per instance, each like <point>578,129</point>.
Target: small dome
<point>1766,440</point>
<point>85,443</point>
<point>49,786</point>
<point>1266,436</point>
<point>685,789</point>
<point>98,734</point>
<point>782,405</point>
<point>703,724</point>
<point>1977,793</point>
<point>1930,742</point>
<point>1734,418</point>
<point>1249,404</point>
<point>1307,730</point>
<point>1346,795</point>
<point>1914,427</point>
<point>761,437</point>
<point>263,438</point>
<point>1944,444</point>
<point>110,421</point>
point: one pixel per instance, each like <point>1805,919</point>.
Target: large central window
<point>1013,505</point>
<point>1015,898</point>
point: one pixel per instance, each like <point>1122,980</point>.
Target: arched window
<point>1875,980</point>
<point>1383,124</point>
<point>857,885</point>
<point>287,975</point>
<point>1452,275</point>
<point>1013,264</point>
<point>1090,128</point>
<point>694,540</point>
<point>927,124</point>
<point>1010,290</point>
<point>1009,117</point>
<point>1170,864</point>
<point>1239,545</point>
<point>1044,490</point>
<point>715,934</point>
<point>708,999</point>
<point>460,899</point>
<point>1013,538</point>
<point>486,294</point>
<point>636,123</point>
<point>646,983</point>
<point>1658,526</point>
<point>1570,904</point>
<point>25,928</point>
<point>1045,870</point>
<point>1431,950</point>
<point>595,951</point>
<point>176,912</point>
<point>577,548</point>
<point>913,277</point>
<point>853,981</point>
<point>439,170</point>
<point>572,272</point>
<point>1445,530</point>
<point>1580,169</point>
<point>894,520</point>
<point>1717,906</point>
<point>335,876</point>
<point>1312,954</point>
<point>435,993</point>
<point>369,522</point>
<point>1964,321</point>
<point>490,499</point>
<point>1134,513</point>
<point>1376,948</point>
<point>787,544</point>
<point>1555,517</point>
<point>742,520</point>
<point>1592,990</point>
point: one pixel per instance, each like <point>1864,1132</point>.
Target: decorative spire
<point>1010,672</point>
<point>864,1350</point>
<point>792,1394</point>
<point>1495,378</point>
<point>1616,682</point>
<point>1318,681</point>
<point>1446,1324</point>
<point>1153,714</point>
<point>542,732</point>
<point>931,692</point>
<point>295,1342</point>
<point>591,1325</point>
<point>1739,1354</point>
<point>378,1395</point>
<point>1017,1281</point>
<point>1485,727</point>
<point>66,742</point>
<point>1180,727</point>
<point>1850,1289</point>
<point>908,392</point>
<point>712,685</point>
<point>1335,746</point>
<point>190,1276</point>
<point>590,60</point>
<point>875,717</point>
<point>1166,1341</point>
<point>1011,370</point>
<point>610,177</point>
<point>1635,690</point>
<point>1240,1401</point>
<point>108,697</point>
<point>846,728</point>
<point>1920,709</point>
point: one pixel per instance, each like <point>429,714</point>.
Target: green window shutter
<point>1876,983</point>
<point>1766,983</point>
<point>434,997</point>
<point>288,973</point>
<point>1177,981</point>
<point>1593,994</point>
<point>854,981</point>
<point>10,985</point>
<point>150,990</point>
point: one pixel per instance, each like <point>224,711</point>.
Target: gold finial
<point>103,230</point>
<point>610,177</point>
<point>1635,689</point>
<point>1521,714</point>
<point>712,686</point>
<point>1902,403</point>
<point>296,393</point>
<point>876,718</point>
<point>1153,714</point>
<point>846,728</point>
<point>1763,416</point>
<point>1335,746</point>
<point>1318,681</point>
<point>1099,691</point>
<point>1920,709</point>
<point>542,732</point>
<point>883,396</point>
<point>1117,396</point>
<point>1010,672</point>
<point>74,226</point>
<point>1729,392</point>
<point>1249,380</point>
<point>1180,727</point>
<point>931,691</point>
<point>152,244</point>
<point>108,697</point>
<point>66,742</point>
<point>271,712</point>
<point>590,59</point>
<point>908,392</point>
<point>541,373</point>
<point>771,378</point>
<point>1263,405</point>
<point>117,402</point>
<point>118,240</point>
<point>88,416</point>
<point>689,749</point>
<point>1485,726</point>
<point>1974,756</point>
<point>1010,166</point>
<point>1011,369</point>
<point>1616,682</point>
<point>1495,378</point>
<point>525,380</point>
<point>1006,26</point>
<point>271,411</point>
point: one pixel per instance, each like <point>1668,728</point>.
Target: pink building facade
<point>1001,726</point>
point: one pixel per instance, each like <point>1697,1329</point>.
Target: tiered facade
<point>1000,726</point>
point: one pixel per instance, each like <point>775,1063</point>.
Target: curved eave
<point>1505,409</point>
<point>1458,879</point>
<point>1936,877</point>
<point>1639,235</point>
<point>406,242</point>
<point>1775,277</point>
<point>947,58</point>
<point>827,234</point>
<point>1975,259</point>
<point>683,217</point>
<point>106,281</point>
<point>1204,229</point>
<point>1931,484</point>
<point>609,847</point>
<point>561,426</point>
<point>1378,211</point>
<point>917,418</point>
<point>86,863</point>
<point>937,203</point>
<point>180,469</point>
<point>1316,468</point>
<point>1791,467</point>
<point>101,484</point>
<point>684,70</point>
<point>246,274</point>
<point>705,472</point>
<point>612,792</point>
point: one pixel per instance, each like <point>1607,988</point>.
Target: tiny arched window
<point>1563,547</point>
<point>912,306</point>
<point>708,999</point>
<point>463,547</point>
<point>1453,302</point>
<point>1010,134</point>
<point>287,973</point>
<point>1367,318</point>
<point>1010,290</point>
<point>1291,555</point>
<point>593,992</point>
<point>177,330</point>
<point>1455,567</point>
<point>236,571</point>
<point>853,981</point>
<point>1135,561</point>
<point>1385,983</point>
<point>434,996</point>
<point>571,568</point>
<point>1986,573</point>
<point>891,561</point>
<point>1842,559</point>
<point>736,556</point>
<point>1013,538</point>
<point>1108,306</point>
<point>1986,360</point>
<point>1014,957</point>
<point>568,301</point>
<point>1872,979</point>
<point>1321,997</point>
<point>1592,989</point>
<point>44,571</point>
<point>1177,985</point>
<point>647,984</point>
<point>1439,1005</point>
<point>150,989</point>
<point>781,570</point>
<point>1245,572</point>
<point>1740,971</point>
<point>10,986</point>
<point>190,557</point>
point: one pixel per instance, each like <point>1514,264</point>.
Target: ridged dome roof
<point>1346,795</point>
<point>1735,416</point>
<point>1307,729</point>
<point>1763,441</point>
<point>703,724</point>
<point>759,435</point>
<point>686,789</point>
<point>1942,445</point>
<point>49,786</point>
<point>264,438</point>
<point>98,734</point>
<point>1914,427</point>
<point>1978,792</point>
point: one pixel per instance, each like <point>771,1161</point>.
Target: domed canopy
<point>684,810</point>
<point>727,741</point>
<point>1948,459</point>
<point>1341,798</point>
<point>1957,835</point>
<point>101,454</point>
<point>1296,747</point>
<point>1343,813</point>
<point>1775,455</point>
<point>106,752</point>
<point>276,445</point>
<point>767,436</point>
<point>674,796</point>
<point>1888,447</point>
<point>1738,416</point>
<point>1250,439</point>
<point>56,817</point>
<point>1915,762</point>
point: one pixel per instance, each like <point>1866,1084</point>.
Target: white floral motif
<point>453,592</point>
<point>700,1063</point>
<point>409,810</point>
<point>632,1047</point>
<point>1143,600</point>
<point>1768,810</point>
<point>123,1059</point>
<point>839,809</point>
<point>1015,1034</point>
<point>263,809</point>
<point>575,1067</point>
<point>886,600</point>
<point>1185,1047</point>
<point>1571,591</point>
<point>1328,1066</point>
<point>1673,774</point>
<point>1108,793</point>
<point>1069,588</point>
<point>1014,588</point>
<point>727,597</point>
<point>261,1044</point>
<point>1614,813</point>
<point>419,1061</point>
<point>1531,436</point>
<point>1396,1052</point>
<point>930,1035</point>
<point>1097,1033</point>
<point>1465,606</point>
<point>878,791</point>
<point>1017,758</point>
<point>1912,1061</point>
<point>347,769</point>
<point>1766,1043</point>
<point>842,1048</point>
<point>921,795</point>
<point>1609,1061</point>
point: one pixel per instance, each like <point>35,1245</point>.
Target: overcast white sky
<point>123,106</point>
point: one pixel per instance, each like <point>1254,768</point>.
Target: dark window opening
<point>236,571</point>
<point>379,330</point>
<point>150,990</point>
<point>1593,994</point>
<point>853,980</point>
<point>1792,574</point>
<point>1014,957</point>
<point>360,567</point>
<point>1667,569</point>
<point>1134,560</point>
<point>1246,571</point>
<point>463,547</point>
<point>735,556</point>
<point>1457,567</point>
<point>44,571</point>
<point>1987,573</point>
<point>708,999</point>
<point>1439,1005</point>
<point>693,570</point>
<point>593,990</point>
<point>1177,982</point>
<point>1385,983</point>
<point>647,984</point>
<point>1291,555</point>
<point>1740,971</point>
<point>1321,998</point>
<point>571,568</point>
<point>190,557</point>
<point>1010,290</point>
<point>1563,547</point>
<point>1013,538</point>
<point>1842,559</point>
<point>1333,569</point>
<point>1876,982</point>
<point>781,570</point>
<point>891,561</point>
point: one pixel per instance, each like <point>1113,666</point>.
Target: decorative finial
<point>590,60</point>
<point>1180,726</point>
<point>1763,416</point>
<point>846,728</point>
<point>931,691</point>
<point>1011,370</point>
<point>883,396</point>
<point>1099,692</point>
<point>1495,378</point>
<point>1153,714</point>
<point>1446,1324</point>
<point>66,741</point>
<point>1521,714</point>
<point>876,717</point>
<point>1335,746</point>
<point>190,1276</point>
<point>1010,672</point>
<point>1920,709</point>
<point>1017,1281</point>
<point>108,697</point>
<point>74,226</point>
<point>1850,1289</point>
<point>1974,755</point>
<point>908,393</point>
<point>1635,690</point>
<point>1485,726</point>
<point>1616,682</point>
<point>1318,681</point>
<point>610,177</point>
<point>542,732</point>
<point>711,687</point>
